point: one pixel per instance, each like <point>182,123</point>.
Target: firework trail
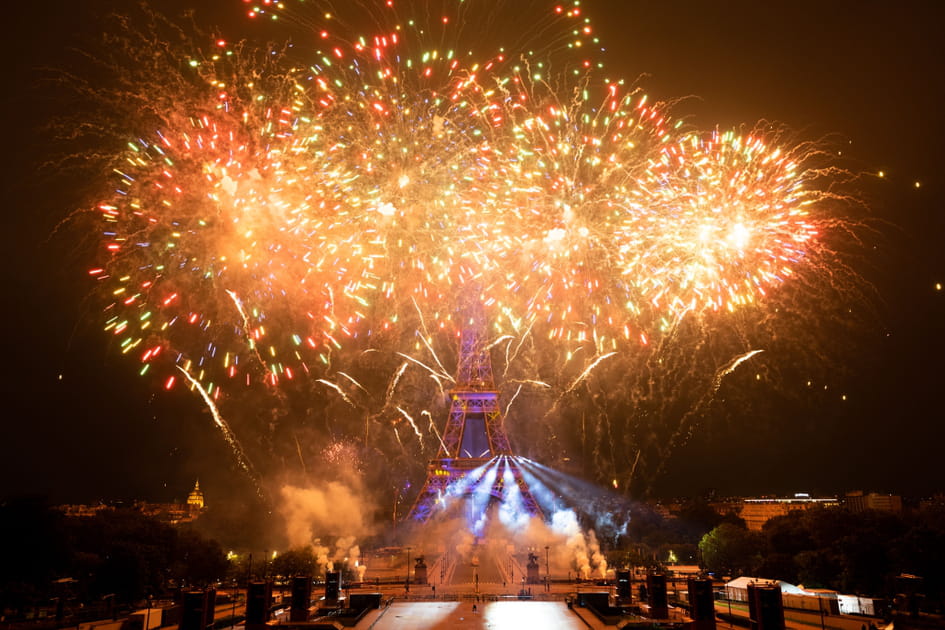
<point>413,424</point>
<point>392,386</point>
<point>684,427</point>
<point>354,382</point>
<point>298,450</point>
<point>508,405</point>
<point>435,374</point>
<point>587,371</point>
<point>433,429</point>
<point>228,435</point>
<point>731,367</point>
<point>709,395</point>
<point>335,387</point>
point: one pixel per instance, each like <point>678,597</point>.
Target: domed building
<point>195,499</point>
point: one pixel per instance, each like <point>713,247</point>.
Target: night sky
<point>79,424</point>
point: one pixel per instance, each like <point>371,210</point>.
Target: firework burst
<point>280,207</point>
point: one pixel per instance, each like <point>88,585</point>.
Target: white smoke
<point>598,563</point>
<point>354,562</point>
<point>464,544</point>
<point>322,558</point>
<point>569,547</point>
<point>333,508</point>
<point>344,555</point>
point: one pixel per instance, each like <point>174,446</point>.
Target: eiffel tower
<point>474,437</point>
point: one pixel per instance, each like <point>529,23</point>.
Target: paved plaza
<point>503,615</point>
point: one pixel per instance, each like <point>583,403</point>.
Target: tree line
<point>119,554</point>
<point>858,553</point>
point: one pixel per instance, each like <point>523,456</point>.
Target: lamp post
<point>407,579</point>
<point>547,569</point>
<point>234,594</point>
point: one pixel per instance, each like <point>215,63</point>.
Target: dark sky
<point>869,74</point>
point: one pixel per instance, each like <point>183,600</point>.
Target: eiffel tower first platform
<point>475,456</point>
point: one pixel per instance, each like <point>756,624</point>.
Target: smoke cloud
<point>333,509</point>
<point>345,554</point>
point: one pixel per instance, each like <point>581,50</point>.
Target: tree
<point>865,552</point>
<point>127,553</point>
<point>679,553</point>
<point>298,561</point>
<point>133,555</point>
<point>238,525</point>
<point>919,552</point>
<point>779,566</point>
<point>35,549</point>
<point>818,568</point>
<point>697,518</point>
<point>789,534</point>
<point>731,550</point>
<point>199,561</point>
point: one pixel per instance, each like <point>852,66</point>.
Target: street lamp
<point>407,579</point>
<point>547,570</point>
<point>233,594</point>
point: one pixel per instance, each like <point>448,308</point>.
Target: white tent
<point>737,589</point>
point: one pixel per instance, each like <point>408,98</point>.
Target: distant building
<point>859,502</point>
<point>757,512</point>
<point>173,513</point>
<point>934,501</point>
<point>84,510</point>
<point>195,498</point>
<point>663,510</point>
<point>727,506</point>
